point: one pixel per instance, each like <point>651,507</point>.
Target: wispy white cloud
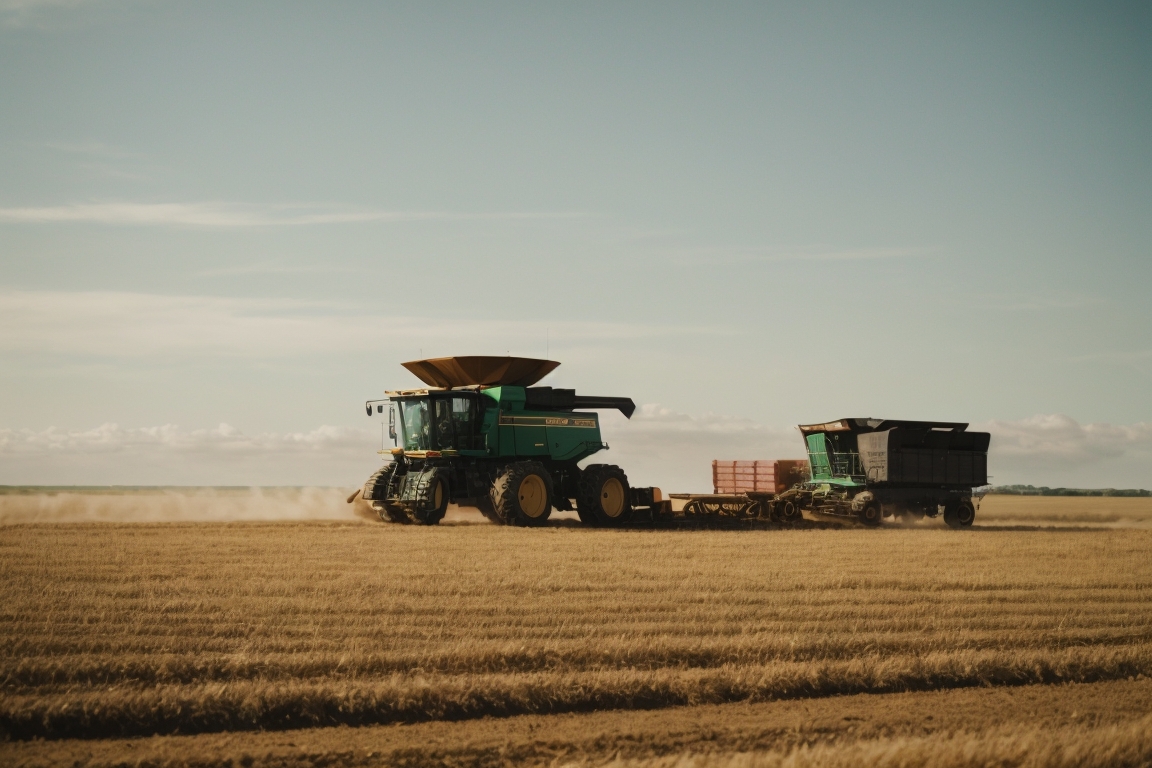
<point>270,268</point>
<point>31,5</point>
<point>24,13</point>
<point>92,149</point>
<point>850,254</point>
<point>1060,301</point>
<point>234,215</point>
<point>723,255</point>
<point>136,325</point>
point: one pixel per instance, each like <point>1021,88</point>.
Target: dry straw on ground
<point>141,629</point>
<point>1108,747</point>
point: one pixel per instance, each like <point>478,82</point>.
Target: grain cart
<point>481,435</point>
<point>870,469</point>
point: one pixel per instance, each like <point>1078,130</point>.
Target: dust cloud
<point>153,505</point>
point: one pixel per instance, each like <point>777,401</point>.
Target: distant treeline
<point>1031,490</point>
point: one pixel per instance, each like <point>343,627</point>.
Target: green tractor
<point>869,469</point>
<point>480,435</point>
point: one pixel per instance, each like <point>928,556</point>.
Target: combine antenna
<point>547,341</point>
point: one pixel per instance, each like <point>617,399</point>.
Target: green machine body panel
<point>521,430</point>
<point>504,425</point>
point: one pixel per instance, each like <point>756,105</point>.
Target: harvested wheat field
<point>357,643</point>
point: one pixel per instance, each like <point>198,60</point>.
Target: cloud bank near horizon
<point>657,447</point>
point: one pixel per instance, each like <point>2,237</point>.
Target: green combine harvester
<point>870,469</point>
<point>481,435</point>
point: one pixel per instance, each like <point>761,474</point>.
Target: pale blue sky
<point>250,213</point>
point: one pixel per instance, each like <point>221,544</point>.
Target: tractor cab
<point>438,420</point>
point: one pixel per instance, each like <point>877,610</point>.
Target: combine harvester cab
<point>482,436</point>
<point>870,469</point>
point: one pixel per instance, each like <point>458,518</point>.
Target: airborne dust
<point>151,505</point>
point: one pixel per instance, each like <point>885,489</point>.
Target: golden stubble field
<point>1027,640</point>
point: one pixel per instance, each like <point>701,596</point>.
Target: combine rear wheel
<point>522,495</point>
<point>604,496</point>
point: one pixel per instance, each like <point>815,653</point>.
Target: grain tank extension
<point>481,435</point>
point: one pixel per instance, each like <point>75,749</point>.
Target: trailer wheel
<point>787,511</point>
<point>870,515</point>
<point>961,517</point>
<point>522,494</point>
<point>604,495</point>
<point>431,508</point>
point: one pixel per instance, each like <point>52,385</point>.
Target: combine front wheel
<point>378,489</point>
<point>434,502</point>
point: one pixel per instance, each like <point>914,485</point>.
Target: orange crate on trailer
<point>757,476</point>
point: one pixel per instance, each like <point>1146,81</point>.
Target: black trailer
<point>870,469</point>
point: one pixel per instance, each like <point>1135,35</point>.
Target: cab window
<point>464,417</point>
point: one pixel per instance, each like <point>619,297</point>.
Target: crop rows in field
<point>1110,747</point>
<point>142,629</point>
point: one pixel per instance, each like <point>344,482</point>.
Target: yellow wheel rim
<point>438,496</point>
<point>612,497</point>
<point>533,496</point>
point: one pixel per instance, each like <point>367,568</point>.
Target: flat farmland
<point>348,642</point>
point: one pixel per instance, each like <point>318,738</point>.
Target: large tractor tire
<point>376,491</point>
<point>960,516</point>
<point>603,498</point>
<point>522,494</point>
<point>433,499</point>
